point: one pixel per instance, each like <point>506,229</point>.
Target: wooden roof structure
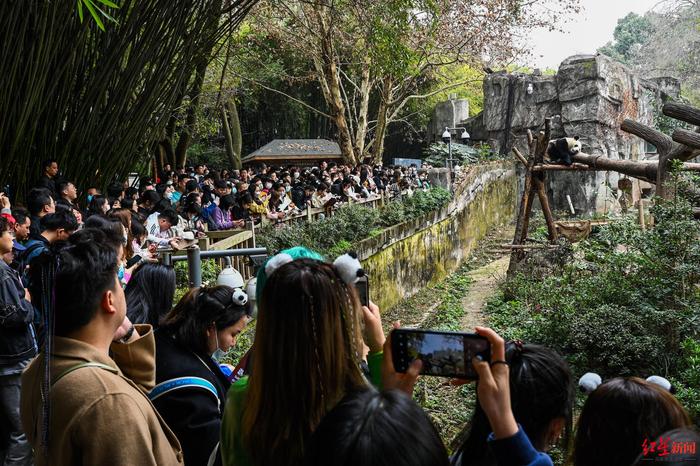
<point>297,151</point>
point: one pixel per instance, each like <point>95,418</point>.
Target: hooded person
<point>99,369</point>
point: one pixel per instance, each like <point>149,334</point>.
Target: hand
<point>152,248</point>
<point>493,388</point>
<point>27,295</point>
<point>4,201</point>
<point>374,333</point>
<point>392,380</point>
<point>123,330</point>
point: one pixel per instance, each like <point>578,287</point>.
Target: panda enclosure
<point>682,146</point>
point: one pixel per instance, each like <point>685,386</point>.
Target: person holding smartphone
<point>376,428</point>
<point>307,354</point>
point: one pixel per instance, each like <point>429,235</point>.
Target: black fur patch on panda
<point>558,151</point>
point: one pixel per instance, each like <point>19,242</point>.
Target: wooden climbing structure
<point>682,146</point>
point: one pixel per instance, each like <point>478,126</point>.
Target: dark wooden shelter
<point>300,152</point>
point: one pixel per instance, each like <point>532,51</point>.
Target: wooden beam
<point>662,142</point>
<point>641,170</point>
<point>231,241</point>
<point>687,138</point>
<point>519,156</point>
<point>558,167</point>
<point>528,246</point>
<point>544,203</point>
<point>682,112</point>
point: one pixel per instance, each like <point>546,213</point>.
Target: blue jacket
<point>517,451</point>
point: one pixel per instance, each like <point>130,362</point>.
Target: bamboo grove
<point>98,101</point>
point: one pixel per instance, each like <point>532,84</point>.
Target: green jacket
<point>233,453</point>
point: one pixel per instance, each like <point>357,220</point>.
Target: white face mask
<point>168,195</point>
<point>218,353</point>
<point>268,185</point>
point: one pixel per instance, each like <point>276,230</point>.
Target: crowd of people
<point>98,365</point>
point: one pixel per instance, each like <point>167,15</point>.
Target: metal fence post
<point>194,266</point>
<point>167,258</point>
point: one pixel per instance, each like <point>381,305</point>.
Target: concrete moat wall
<point>407,257</point>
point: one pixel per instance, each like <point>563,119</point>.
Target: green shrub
<point>392,214</point>
<point>627,304</point>
<point>687,383</point>
<point>351,223</point>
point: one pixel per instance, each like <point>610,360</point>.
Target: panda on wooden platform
<point>561,150</point>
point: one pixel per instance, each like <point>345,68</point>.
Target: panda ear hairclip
<point>239,297</point>
<point>276,262</point>
<point>349,268</point>
<point>590,381</point>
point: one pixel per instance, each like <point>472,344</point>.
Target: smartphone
<point>362,286</point>
<point>444,354</point>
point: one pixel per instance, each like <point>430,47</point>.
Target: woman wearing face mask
<point>190,390</point>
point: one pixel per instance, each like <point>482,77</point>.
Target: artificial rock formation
<point>590,96</point>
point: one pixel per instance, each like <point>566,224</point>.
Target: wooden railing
<point>310,214</point>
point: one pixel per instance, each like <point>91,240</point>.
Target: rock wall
<point>590,96</point>
<point>403,259</point>
<point>447,114</point>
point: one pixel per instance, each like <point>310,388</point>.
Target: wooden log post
<point>534,185</point>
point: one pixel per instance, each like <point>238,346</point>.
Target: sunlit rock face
<point>589,96</point>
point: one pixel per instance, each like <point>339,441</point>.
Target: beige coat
<point>99,416</point>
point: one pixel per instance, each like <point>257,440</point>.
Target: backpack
<point>34,249</point>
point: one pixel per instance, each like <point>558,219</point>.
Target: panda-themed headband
<point>348,266</point>
<point>590,381</point>
<point>238,298</point>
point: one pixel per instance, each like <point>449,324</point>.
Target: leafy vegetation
<point>437,154</point>
<point>334,235</point>
<point>626,303</point>
<point>665,41</point>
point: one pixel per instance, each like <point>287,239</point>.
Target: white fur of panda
<point>562,149</point>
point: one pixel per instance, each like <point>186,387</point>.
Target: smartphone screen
<point>444,354</point>
<point>362,286</point>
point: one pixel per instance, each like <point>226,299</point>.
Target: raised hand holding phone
<point>493,388</point>
<point>393,380</point>
<point>373,331</point>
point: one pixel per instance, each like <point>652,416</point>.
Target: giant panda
<point>562,149</point>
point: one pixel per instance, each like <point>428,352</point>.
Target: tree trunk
<point>230,153</point>
<point>167,153</point>
<point>236,135</point>
<point>365,89</point>
<point>329,79</point>
<point>200,71</point>
<point>186,133</point>
<point>382,123</point>
<point>337,108</point>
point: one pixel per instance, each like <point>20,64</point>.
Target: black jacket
<point>16,313</point>
<point>193,414</point>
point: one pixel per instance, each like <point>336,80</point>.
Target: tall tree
<point>664,42</point>
<point>370,58</point>
<point>631,34</point>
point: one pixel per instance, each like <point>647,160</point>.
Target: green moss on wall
<point>429,255</point>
